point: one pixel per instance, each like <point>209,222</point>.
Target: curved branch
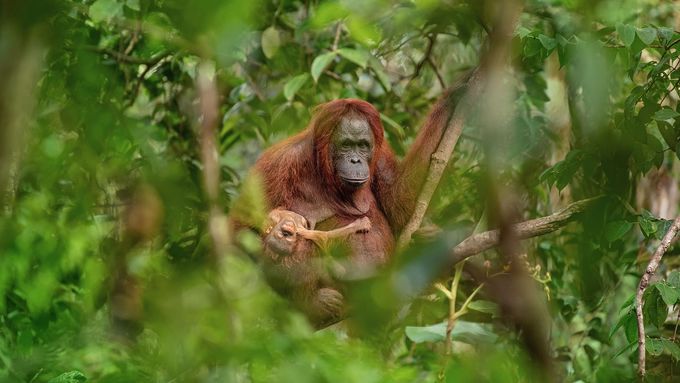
<point>644,282</point>
<point>477,243</point>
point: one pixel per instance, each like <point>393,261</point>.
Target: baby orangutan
<point>286,228</point>
<point>289,270</point>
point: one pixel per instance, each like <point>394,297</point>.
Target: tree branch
<point>494,57</point>
<point>478,243</point>
<point>644,282</point>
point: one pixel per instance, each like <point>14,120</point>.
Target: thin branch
<point>121,57</point>
<point>338,32</point>
<point>436,72</point>
<point>431,39</point>
<point>478,243</point>
<point>644,282</point>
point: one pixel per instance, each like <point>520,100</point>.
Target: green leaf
<point>548,42</point>
<point>626,34</point>
<point>69,377</point>
<point>104,10</point>
<point>647,35</point>
<point>674,279</point>
<point>617,229</point>
<point>433,333</point>
<point>655,310</point>
<point>630,327</point>
<point>320,63</point>
<point>133,4</point>
<point>293,85</point>
<point>647,223</point>
<point>668,133</point>
<point>672,348</point>
<point>665,114</point>
<point>271,41</point>
<point>357,56</point>
<point>468,332</point>
<point>484,307</point>
<point>669,293</point>
<point>522,32</point>
<point>392,126</point>
<point>665,34</point>
<point>622,320</point>
<point>654,346</point>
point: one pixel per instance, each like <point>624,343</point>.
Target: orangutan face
<point>351,149</point>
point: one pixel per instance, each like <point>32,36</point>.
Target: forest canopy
<point>542,247</point>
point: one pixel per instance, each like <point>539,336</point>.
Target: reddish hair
<point>326,119</point>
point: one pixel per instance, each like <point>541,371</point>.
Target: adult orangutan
<point>339,169</point>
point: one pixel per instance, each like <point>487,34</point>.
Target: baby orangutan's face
<point>282,232</point>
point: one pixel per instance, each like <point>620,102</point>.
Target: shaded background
<point>104,214</point>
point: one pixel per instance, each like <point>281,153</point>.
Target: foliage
<point>103,93</point>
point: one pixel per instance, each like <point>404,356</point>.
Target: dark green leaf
<point>617,229</point>
<point>630,327</point>
<point>655,310</point>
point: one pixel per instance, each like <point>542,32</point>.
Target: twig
<point>478,243</point>
<point>436,72</point>
<point>644,282</point>
<point>126,58</point>
<point>338,32</point>
<point>452,307</point>
<point>431,39</point>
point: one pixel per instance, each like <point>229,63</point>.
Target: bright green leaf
<point>69,377</point>
<point>133,4</point>
<point>271,41</point>
<point>104,10</point>
<point>293,85</point>
<point>320,63</point>
<point>357,56</point>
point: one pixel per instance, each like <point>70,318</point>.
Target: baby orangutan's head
<point>282,230</point>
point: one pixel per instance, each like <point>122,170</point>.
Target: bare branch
<point>478,243</point>
<point>644,282</point>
